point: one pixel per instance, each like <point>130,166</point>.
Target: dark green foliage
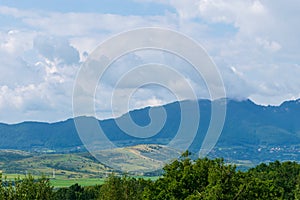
<point>200,179</point>
<point>213,179</point>
<point>123,188</point>
<point>76,192</point>
<point>26,189</point>
<point>283,175</point>
<point>297,189</point>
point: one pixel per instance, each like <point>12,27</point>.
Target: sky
<point>255,45</point>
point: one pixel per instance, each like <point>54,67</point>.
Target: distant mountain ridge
<point>246,124</point>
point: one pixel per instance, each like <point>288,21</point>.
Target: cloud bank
<point>254,43</point>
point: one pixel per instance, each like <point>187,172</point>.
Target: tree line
<point>182,179</point>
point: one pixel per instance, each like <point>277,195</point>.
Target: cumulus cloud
<point>269,45</point>
<point>36,76</point>
<point>254,43</point>
<point>147,76</point>
<point>33,102</point>
<point>56,49</point>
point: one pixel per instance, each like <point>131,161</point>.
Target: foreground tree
<point>116,188</point>
<point>213,179</point>
<point>77,192</point>
<point>26,189</point>
<point>283,175</point>
<point>297,189</point>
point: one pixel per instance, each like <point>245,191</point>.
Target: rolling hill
<point>136,160</point>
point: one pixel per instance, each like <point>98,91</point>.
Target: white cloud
<point>153,101</point>
<point>49,101</point>
<point>15,41</point>
<point>255,44</point>
<point>56,49</point>
<point>269,45</point>
<point>17,13</point>
<point>80,24</point>
<point>35,84</point>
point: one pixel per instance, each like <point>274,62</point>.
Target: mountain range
<point>250,132</point>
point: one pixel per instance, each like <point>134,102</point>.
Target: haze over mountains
<point>251,132</point>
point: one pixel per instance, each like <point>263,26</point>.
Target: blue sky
<point>255,45</point>
<point>120,7</point>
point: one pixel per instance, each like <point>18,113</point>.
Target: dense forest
<point>182,179</point>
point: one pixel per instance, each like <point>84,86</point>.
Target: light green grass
<point>57,183</point>
<point>62,181</point>
<point>14,176</point>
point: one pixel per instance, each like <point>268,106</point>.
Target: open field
<point>61,181</point>
<point>87,181</point>
<point>83,182</point>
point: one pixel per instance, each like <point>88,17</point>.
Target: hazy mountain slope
<point>30,135</point>
<point>246,124</point>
